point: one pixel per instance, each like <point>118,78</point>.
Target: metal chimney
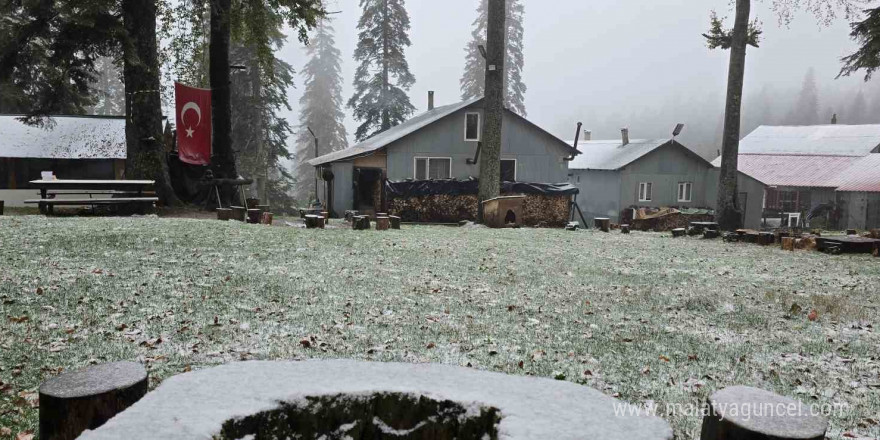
<point>588,135</point>
<point>834,119</point>
<point>624,136</point>
<point>431,100</point>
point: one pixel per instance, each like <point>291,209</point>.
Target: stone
<point>746,413</point>
<point>85,399</point>
<point>370,400</point>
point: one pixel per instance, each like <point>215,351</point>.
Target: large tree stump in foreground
<point>85,399</point>
<point>314,221</point>
<point>746,413</point>
<point>361,223</point>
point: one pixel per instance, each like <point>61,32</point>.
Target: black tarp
<point>417,188</point>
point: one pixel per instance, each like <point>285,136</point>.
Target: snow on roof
<point>613,155</point>
<point>69,137</point>
<point>793,170</point>
<point>831,140</point>
<point>862,176</point>
<point>383,139</point>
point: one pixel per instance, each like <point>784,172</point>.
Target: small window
<point>472,127</point>
<point>430,168</point>
<point>684,191</point>
<point>508,170</point>
<point>645,191</point>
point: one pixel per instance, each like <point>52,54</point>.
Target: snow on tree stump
<point>253,216</point>
<point>602,223</point>
<point>85,399</point>
<point>746,413</point>
<point>624,229</point>
<point>239,213</point>
<point>224,214</point>
<point>266,218</point>
<point>383,223</point>
<point>361,223</point>
<point>314,221</point>
<point>679,232</point>
<point>395,221</point>
<point>374,400</point>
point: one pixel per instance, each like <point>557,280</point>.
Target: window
<point>684,191</point>
<point>645,191</point>
<point>508,170</point>
<point>427,168</point>
<point>472,127</point>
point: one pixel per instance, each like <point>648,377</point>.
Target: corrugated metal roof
<point>70,137</point>
<point>613,155</point>
<point>793,170</point>
<point>863,175</point>
<point>383,139</point>
<point>833,140</point>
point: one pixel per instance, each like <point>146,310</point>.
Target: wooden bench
<point>48,204</point>
<point>109,192</point>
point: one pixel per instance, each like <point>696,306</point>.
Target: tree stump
<point>350,215</point>
<point>361,223</point>
<point>711,234</point>
<point>224,214</point>
<point>788,243</point>
<point>395,221</point>
<point>679,232</point>
<point>312,221</point>
<point>746,413</point>
<point>266,218</point>
<point>624,229</point>
<point>602,223</point>
<point>1,206</point>
<point>852,232</point>
<point>383,223</point>
<point>87,398</point>
<point>252,203</point>
<point>253,216</point>
<point>239,213</point>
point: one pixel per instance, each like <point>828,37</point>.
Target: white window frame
<point>685,192</point>
<point>515,164</point>
<point>428,165</point>
<point>644,194</point>
<point>479,127</point>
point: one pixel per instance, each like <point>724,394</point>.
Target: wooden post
<point>395,222</point>
<point>746,413</point>
<point>224,214</point>
<point>87,398</point>
<point>383,223</point>
<point>239,213</point>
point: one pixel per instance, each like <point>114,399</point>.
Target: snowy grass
<point>642,317</point>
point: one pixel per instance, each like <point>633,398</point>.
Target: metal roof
<point>381,140</point>
<point>793,170</point>
<point>862,176</point>
<point>613,155</point>
<point>832,140</point>
<point>68,137</point>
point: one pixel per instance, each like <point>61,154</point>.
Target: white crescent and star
<point>191,106</point>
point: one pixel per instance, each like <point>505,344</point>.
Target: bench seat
<point>105,201</point>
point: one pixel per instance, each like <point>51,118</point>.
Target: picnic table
<point>108,192</point>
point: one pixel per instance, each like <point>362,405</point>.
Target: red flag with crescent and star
<point>193,124</point>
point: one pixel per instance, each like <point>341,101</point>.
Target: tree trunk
<point>221,92</point>
<point>728,214</point>
<point>146,158</point>
<point>493,104</point>
<point>386,115</point>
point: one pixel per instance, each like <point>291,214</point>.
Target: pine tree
<point>108,89</point>
<point>473,81</point>
<point>320,108</point>
<point>383,77</point>
<point>857,113</point>
<point>806,109</point>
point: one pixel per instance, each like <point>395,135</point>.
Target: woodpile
<point>874,233</point>
<point>668,222</point>
<point>544,210</point>
<point>549,211</point>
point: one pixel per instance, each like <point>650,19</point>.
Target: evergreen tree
<point>473,81</point>
<point>320,108</point>
<point>857,113</point>
<point>109,90</point>
<point>383,77</point>
<point>806,109</point>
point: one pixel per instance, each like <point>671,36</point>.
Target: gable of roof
<point>827,140</point>
<point>793,170</point>
<point>66,137</point>
<point>409,127</point>
<point>862,176</point>
<point>612,155</point>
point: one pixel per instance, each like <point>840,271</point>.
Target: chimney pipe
<point>624,135</point>
<point>834,119</point>
<point>588,135</point>
<point>431,100</point>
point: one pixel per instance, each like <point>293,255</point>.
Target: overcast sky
<point>585,59</point>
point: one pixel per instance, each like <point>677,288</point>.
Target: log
<point>788,243</point>
<point>312,221</point>
<point>87,398</point>
<point>239,213</point>
<point>266,218</point>
<point>679,232</point>
<point>253,216</point>
<point>1,206</point>
<point>395,221</point>
<point>602,223</point>
<point>876,252</point>
<point>383,223</point>
<point>710,234</point>
<point>224,214</point>
<point>361,223</point>
<point>852,232</point>
<point>746,413</point>
<point>624,229</point>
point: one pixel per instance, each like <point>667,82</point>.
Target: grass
<point>642,317</point>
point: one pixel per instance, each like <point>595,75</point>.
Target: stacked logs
<point>668,222</point>
<point>538,209</point>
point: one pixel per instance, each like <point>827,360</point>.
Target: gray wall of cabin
<point>665,168</point>
<point>600,194</point>
<point>343,187</point>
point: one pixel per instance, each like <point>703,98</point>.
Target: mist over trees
<point>321,108</point>
<point>108,89</point>
<point>473,81</point>
<point>382,78</point>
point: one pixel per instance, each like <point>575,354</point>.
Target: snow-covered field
<point>641,317</point>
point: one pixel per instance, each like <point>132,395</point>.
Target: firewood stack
<point>549,211</point>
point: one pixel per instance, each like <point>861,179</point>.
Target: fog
<point>615,63</point>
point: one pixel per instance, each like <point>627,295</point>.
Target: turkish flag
<point>193,124</point>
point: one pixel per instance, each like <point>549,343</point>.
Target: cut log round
<point>85,399</point>
<point>788,243</point>
<point>383,223</point>
<point>239,213</point>
<point>253,216</point>
<point>602,223</point>
<point>361,223</point>
<point>711,234</point>
<point>224,214</point>
<point>852,232</point>
<point>266,218</point>
<point>624,229</point>
<point>312,221</point>
<point>252,203</point>
<point>1,207</point>
<point>679,232</point>
<point>746,413</point>
<point>395,221</point>
<point>263,208</point>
